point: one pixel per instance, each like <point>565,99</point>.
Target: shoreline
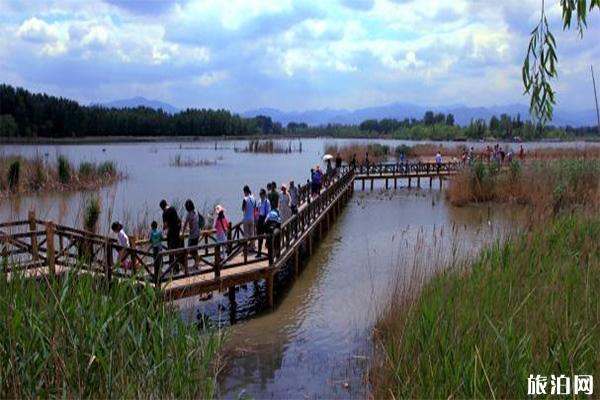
<point>190,139</point>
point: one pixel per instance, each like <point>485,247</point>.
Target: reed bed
<point>179,161</point>
<point>377,152</point>
<point>21,175</point>
<point>548,186</point>
<point>270,147</point>
<point>77,337</point>
<point>526,306</point>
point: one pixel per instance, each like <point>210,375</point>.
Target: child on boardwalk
<point>221,225</point>
<point>156,238</point>
<point>123,241</point>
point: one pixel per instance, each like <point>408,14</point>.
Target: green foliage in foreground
<point>528,306</point>
<point>77,338</point>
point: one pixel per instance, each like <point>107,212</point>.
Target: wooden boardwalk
<point>42,247</point>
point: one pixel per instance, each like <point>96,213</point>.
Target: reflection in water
<point>316,343</point>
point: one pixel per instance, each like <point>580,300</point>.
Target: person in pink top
<point>221,225</point>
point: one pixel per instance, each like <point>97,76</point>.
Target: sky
<point>288,54</point>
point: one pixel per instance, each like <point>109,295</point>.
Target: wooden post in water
<point>34,241</point>
<point>50,248</point>
<point>430,182</point>
<point>231,295</point>
<point>372,184</point>
<point>419,182</point>
<point>363,185</point>
<point>395,183</point>
<point>409,182</point>
<point>386,183</point>
<point>270,285</point>
<point>296,262</point>
<point>218,260</point>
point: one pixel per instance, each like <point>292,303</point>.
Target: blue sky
<point>292,55</point>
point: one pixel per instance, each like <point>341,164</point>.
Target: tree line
<point>26,114</point>
<point>29,115</point>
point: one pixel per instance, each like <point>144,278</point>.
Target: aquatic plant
<point>91,214</point>
<point>86,169</point>
<point>548,186</point>
<point>78,337</point>
<point>178,161</point>
<point>477,330</point>
<point>107,169</point>
<point>13,174</point>
<point>64,169</point>
<point>25,175</point>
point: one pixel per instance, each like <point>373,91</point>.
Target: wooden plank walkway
<point>42,247</point>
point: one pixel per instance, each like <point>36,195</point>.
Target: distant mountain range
<point>462,114</point>
<point>141,101</point>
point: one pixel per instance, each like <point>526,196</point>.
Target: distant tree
<point>450,120</point>
<point>429,118</point>
<point>8,126</point>
<point>370,125</point>
<point>494,125</point>
<point>439,118</point>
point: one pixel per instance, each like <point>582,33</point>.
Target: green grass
<point>75,337</point>
<point>527,306</point>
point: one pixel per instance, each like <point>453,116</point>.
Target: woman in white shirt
<point>123,241</point>
<point>285,211</point>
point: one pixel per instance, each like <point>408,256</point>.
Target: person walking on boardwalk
<point>353,162</point>
<point>273,229</point>
<point>156,238</point>
<point>328,172</point>
<point>195,222</point>
<point>285,210</point>
<point>318,178</point>
<point>338,164</point>
<point>123,241</point>
<point>248,219</point>
<point>172,224</point>
<point>221,226</point>
<point>293,198</point>
<point>438,161</point>
<point>264,208</point>
<point>273,196</point>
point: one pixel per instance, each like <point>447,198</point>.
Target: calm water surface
<point>317,341</point>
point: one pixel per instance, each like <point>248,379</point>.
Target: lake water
<point>317,341</point>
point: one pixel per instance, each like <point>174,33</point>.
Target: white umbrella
<point>327,157</point>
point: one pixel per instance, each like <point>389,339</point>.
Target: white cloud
<point>210,78</point>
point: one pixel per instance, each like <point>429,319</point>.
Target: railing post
<point>217,260</point>
<point>133,245</point>
<point>270,248</point>
<point>109,260</point>
<point>50,248</point>
<point>34,241</point>
<point>157,269</point>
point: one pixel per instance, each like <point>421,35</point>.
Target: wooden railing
<point>404,169</point>
<point>33,244</point>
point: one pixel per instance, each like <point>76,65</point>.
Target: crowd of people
<point>260,217</point>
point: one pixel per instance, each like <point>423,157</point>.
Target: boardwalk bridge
<point>34,247</point>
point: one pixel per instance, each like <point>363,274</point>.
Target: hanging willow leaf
<point>539,66</point>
